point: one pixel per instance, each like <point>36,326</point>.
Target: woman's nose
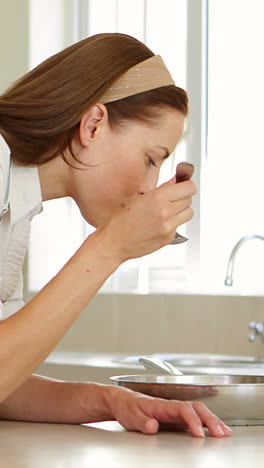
<point>150,182</point>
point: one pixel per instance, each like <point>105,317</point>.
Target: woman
<point>94,122</point>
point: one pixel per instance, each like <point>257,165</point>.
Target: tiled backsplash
<point>166,323</point>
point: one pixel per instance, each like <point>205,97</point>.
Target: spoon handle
<point>184,171</point>
<point>159,366</point>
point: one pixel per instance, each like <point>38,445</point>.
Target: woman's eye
<point>151,162</point>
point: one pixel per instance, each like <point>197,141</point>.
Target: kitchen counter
<point>35,445</point>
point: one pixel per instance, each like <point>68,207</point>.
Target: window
<point>164,30</point>
<point>232,201</point>
<point>214,50</point>
<point>158,271</point>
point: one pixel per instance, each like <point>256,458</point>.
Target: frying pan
<point>236,399</point>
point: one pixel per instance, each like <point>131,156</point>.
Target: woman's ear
<point>91,123</point>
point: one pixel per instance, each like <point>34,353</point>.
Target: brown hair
<point>40,113</point>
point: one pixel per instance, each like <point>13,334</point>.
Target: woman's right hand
<point>150,221</point>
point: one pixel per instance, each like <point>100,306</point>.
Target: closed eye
<point>151,161</point>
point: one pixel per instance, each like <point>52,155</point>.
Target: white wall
<point>14,40</point>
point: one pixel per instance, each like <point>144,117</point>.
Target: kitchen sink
<point>202,363</point>
<point>99,367</point>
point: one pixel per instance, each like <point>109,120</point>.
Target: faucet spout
<point>231,261</point>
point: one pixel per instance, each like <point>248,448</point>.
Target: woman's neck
<point>53,179</point>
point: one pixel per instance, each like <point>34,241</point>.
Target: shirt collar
<point>5,175</point>
<point>25,192</point>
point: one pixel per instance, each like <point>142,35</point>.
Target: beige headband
<point>144,76</point>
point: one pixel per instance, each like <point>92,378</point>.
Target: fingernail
<point>220,430</point>
<point>201,432</point>
<point>151,426</point>
<point>228,428</point>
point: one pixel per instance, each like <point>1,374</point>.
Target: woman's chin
<point>91,220</point>
<point>96,219</point>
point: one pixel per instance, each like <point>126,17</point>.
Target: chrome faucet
<point>257,330</point>
<point>256,327</point>
<point>231,261</point>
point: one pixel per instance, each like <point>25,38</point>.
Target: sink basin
<point>193,360</point>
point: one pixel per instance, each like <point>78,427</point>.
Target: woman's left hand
<point>138,412</point>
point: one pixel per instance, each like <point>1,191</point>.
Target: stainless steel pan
<point>237,400</point>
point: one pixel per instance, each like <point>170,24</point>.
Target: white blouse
<point>20,200</point>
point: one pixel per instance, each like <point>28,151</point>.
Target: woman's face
<point>123,164</point>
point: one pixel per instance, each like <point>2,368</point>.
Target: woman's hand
<point>138,412</point>
<point>149,222</point>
